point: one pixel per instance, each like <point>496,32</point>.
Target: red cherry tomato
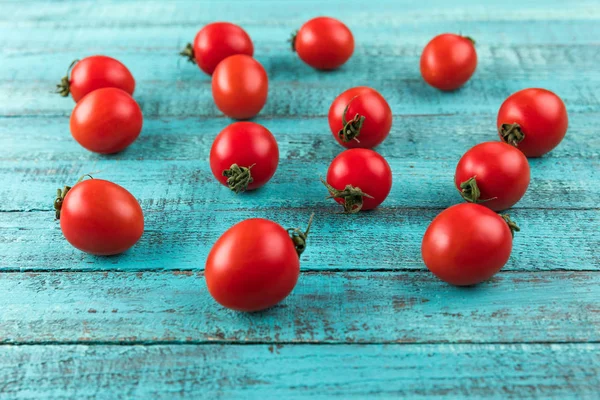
<point>95,72</point>
<point>106,121</point>
<point>99,217</point>
<point>254,265</point>
<point>323,43</point>
<point>360,118</point>
<point>215,42</point>
<point>359,179</point>
<point>494,174</point>
<point>448,61</point>
<point>244,156</point>
<point>467,244</point>
<point>240,86</point>
<point>534,120</point>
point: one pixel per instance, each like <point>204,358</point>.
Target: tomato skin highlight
<point>541,116</point>
<point>466,244</point>
<point>252,266</point>
<point>365,102</point>
<point>448,61</point>
<point>501,172</point>
<point>324,43</point>
<point>217,41</point>
<point>364,169</point>
<point>97,72</point>
<point>106,121</point>
<point>245,144</point>
<point>240,86</point>
<point>101,218</point>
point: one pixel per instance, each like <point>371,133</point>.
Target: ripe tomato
<point>255,264</point>
<point>359,179</point>
<point>95,72</point>
<point>323,43</point>
<point>467,244</point>
<point>244,156</point>
<point>240,86</point>
<point>534,120</point>
<point>215,42</point>
<point>99,217</point>
<point>360,118</point>
<point>494,174</point>
<point>106,121</point>
<point>448,61</point>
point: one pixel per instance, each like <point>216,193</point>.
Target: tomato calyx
<point>62,193</point>
<point>351,128</point>
<point>63,88</point>
<point>352,196</point>
<point>470,39</point>
<point>470,191</point>
<point>292,40</point>
<point>299,237</point>
<point>188,52</point>
<point>511,224</point>
<point>238,178</point>
<point>511,134</point>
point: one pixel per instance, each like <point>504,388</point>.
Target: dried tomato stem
<point>353,197</point>
<point>351,129</point>
<point>188,52</point>
<point>511,134</point>
<point>238,178</point>
<point>470,191</point>
<point>299,237</point>
<point>470,39</point>
<point>63,88</point>
<point>61,193</point>
<point>292,40</point>
<point>511,224</point>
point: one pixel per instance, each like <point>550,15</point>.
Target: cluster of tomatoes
<point>255,264</point>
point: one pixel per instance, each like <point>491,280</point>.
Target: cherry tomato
<point>244,156</point>
<point>323,43</point>
<point>494,174</point>
<point>359,179</point>
<point>534,120</point>
<point>106,121</point>
<point>99,217</point>
<point>467,244</point>
<point>448,61</point>
<point>360,118</point>
<point>95,72</point>
<point>240,86</point>
<point>255,264</point>
<point>215,42</point>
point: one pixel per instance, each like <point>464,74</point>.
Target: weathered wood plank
<point>179,236</point>
<point>335,307</point>
<point>301,371</point>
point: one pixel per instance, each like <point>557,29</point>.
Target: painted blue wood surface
<point>366,321</point>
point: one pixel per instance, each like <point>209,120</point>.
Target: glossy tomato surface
<point>324,43</point>
<point>466,244</point>
<point>540,117</point>
<point>361,102</point>
<point>248,145</point>
<point>217,41</point>
<point>240,86</point>
<point>252,266</point>
<point>501,173</point>
<point>448,61</point>
<point>100,217</point>
<point>97,72</point>
<point>364,169</point>
<point>106,121</point>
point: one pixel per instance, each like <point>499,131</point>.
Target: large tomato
<point>359,179</point>
<point>215,42</point>
<point>255,264</point>
<point>323,43</point>
<point>95,72</point>
<point>448,61</point>
<point>244,156</point>
<point>99,217</point>
<point>494,174</point>
<point>360,118</point>
<point>240,86</point>
<point>467,244</point>
<point>534,120</point>
<point>106,121</point>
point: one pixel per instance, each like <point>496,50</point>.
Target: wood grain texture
<point>549,371</point>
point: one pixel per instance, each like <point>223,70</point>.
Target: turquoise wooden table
<point>366,319</point>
